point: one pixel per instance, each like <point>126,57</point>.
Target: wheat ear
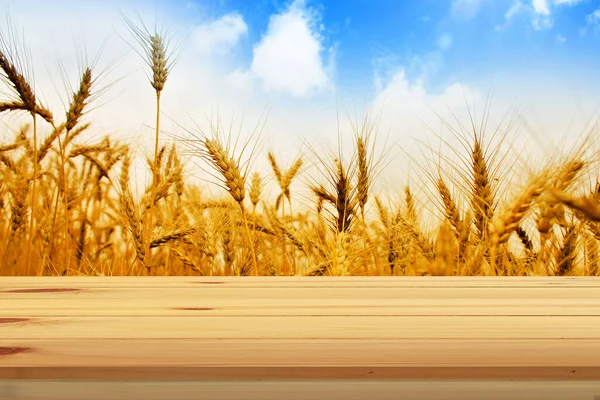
<point>503,224</point>
<point>234,182</point>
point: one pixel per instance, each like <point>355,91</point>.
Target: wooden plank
<point>200,352</point>
<point>276,293</point>
<point>300,390</point>
<point>310,311</point>
<point>299,359</point>
<point>52,307</point>
<point>303,327</point>
<point>262,282</point>
<point>299,328</point>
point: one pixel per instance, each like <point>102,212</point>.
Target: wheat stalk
<point>157,55</point>
<point>505,223</point>
<point>132,220</point>
<point>234,181</point>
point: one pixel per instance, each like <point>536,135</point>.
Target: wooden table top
<point>275,328</point>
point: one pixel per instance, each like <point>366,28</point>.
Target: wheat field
<point>67,207</point>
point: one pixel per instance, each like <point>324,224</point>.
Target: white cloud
<point>560,38</point>
<point>541,7</point>
<point>593,18</point>
<point>220,35</point>
<point>411,102</point>
<point>512,12</point>
<point>539,11</point>
<point>241,80</point>
<point>542,12</point>
<point>541,18</point>
<point>289,56</point>
<point>568,2</point>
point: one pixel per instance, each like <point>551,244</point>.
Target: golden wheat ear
<point>587,205</point>
<point>132,221</point>
<point>232,177</point>
<point>508,221</point>
<point>156,49</point>
<point>363,178</point>
<point>23,91</point>
<point>275,167</point>
<point>482,198</point>
<point>256,188</point>
<point>79,101</point>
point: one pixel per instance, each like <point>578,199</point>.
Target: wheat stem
<point>150,219</point>
<point>33,193</point>
<point>250,240</point>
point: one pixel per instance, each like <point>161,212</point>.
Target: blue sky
<point>365,43</point>
<point>460,39</point>
<point>305,60</point>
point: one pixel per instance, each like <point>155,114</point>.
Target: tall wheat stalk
<point>235,182</point>
<point>505,223</point>
<point>73,116</point>
<point>157,57</point>
<point>285,180</point>
<point>24,99</point>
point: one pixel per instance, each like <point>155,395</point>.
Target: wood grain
<point>52,307</point>
<point>226,328</point>
<point>300,390</point>
<point>323,281</point>
<point>274,294</point>
<point>303,327</point>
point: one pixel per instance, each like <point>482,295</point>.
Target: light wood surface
<point>300,390</point>
<point>279,329</point>
<point>278,281</point>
